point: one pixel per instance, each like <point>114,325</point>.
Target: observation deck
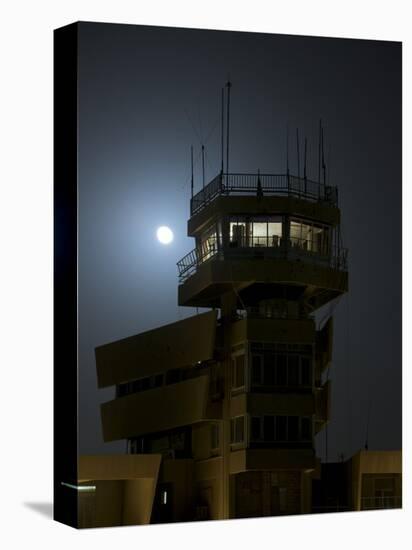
<point>266,185</point>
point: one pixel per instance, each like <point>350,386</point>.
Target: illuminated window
<point>237,233</point>
<point>208,244</point>
<point>274,233</point>
<point>308,236</point>
<point>256,231</point>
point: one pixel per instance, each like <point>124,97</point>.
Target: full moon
<point>164,234</point>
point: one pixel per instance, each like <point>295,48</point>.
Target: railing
<point>263,184</point>
<point>266,247</point>
<point>381,503</point>
<point>189,263</point>
<point>269,312</point>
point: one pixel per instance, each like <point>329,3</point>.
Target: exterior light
<point>80,488</point>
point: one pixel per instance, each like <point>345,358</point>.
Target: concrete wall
<point>138,498</point>
<point>171,406</point>
<point>171,346</point>
<point>180,474</point>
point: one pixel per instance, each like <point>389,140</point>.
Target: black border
<point>65,274</point>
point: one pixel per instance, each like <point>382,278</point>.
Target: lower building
<point>369,480</point>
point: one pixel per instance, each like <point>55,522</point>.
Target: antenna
<point>223,126</point>
<point>229,85</point>
<point>329,156</point>
<point>304,163</point>
<point>191,159</point>
<point>203,165</point>
<point>297,150</point>
<point>287,149</point>
<point>320,137</point>
<point>323,160</point>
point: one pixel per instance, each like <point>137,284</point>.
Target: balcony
<point>159,409</point>
<point>333,257</point>
<point>264,185</point>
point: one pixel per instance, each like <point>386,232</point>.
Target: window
<point>308,236</point>
<point>274,233</point>
<point>173,376</point>
<point>238,376</point>
<point>281,365</point>
<point>256,231</point>
<point>237,429</point>
<point>257,369</point>
<point>259,233</point>
<point>214,436</point>
<point>158,380</point>
<point>293,370</point>
<point>269,428</point>
<point>281,428</point>
<point>306,372</point>
<point>281,370</point>
<point>269,370</point>
<point>255,428</point>
<point>208,244</point>
<point>237,233</point>
<point>293,428</point>
<point>145,384</point>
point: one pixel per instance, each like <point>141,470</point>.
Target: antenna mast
<point>297,150</point>
<point>287,149</point>
<point>191,160</point>
<point>229,85</point>
<point>320,137</point>
<point>203,165</point>
<point>323,161</point>
<point>304,158</point>
<point>223,127</point>
<point>304,163</point>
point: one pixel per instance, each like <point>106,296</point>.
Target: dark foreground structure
<point>369,480</point>
<point>220,410</point>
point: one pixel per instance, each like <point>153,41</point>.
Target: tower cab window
<point>255,231</point>
<point>208,243</point>
<point>308,236</point>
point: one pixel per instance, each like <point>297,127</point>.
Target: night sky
<point>145,95</point>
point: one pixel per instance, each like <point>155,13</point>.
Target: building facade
<point>231,399</point>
